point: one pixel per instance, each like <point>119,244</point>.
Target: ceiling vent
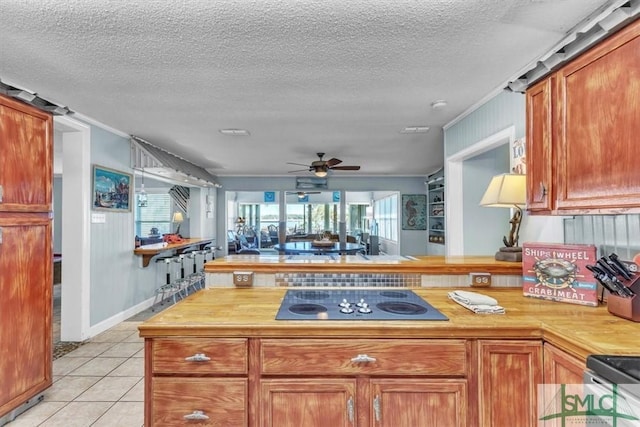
<point>167,166</point>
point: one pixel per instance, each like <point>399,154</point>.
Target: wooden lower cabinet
<point>412,402</point>
<point>508,379</point>
<point>376,402</point>
<point>310,402</point>
<point>561,370</point>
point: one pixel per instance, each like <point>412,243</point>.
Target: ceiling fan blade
<point>299,170</point>
<point>299,164</point>
<point>346,168</point>
<point>333,161</point>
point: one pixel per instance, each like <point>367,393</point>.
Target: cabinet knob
<point>198,357</point>
<point>363,358</point>
<point>196,416</point>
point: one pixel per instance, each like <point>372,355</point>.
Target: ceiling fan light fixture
<point>321,172</point>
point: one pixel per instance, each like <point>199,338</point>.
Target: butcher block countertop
<point>231,312</point>
<point>363,264</point>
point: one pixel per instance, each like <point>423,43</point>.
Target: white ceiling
<point>334,76</point>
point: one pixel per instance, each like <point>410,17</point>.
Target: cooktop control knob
<point>345,303</point>
<point>346,310</point>
<point>361,303</point>
<point>364,308</point>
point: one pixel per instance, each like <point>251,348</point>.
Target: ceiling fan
<point>322,167</point>
<point>302,194</point>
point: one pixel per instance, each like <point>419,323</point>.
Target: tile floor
<point>98,384</point>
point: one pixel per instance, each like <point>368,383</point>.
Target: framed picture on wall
<point>111,190</point>
<point>414,212</point>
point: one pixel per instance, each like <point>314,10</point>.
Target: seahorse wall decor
<point>411,213</point>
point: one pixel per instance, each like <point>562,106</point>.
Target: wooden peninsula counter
<point>221,355</point>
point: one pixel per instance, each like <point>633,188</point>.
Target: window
<point>386,211</point>
<point>157,214</point>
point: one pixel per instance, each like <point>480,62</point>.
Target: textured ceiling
<point>340,77</point>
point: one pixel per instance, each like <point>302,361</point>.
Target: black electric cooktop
<point>355,304</point>
<point>617,369</point>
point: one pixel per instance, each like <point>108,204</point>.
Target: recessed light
<point>235,132</point>
<point>415,129</point>
<point>440,103</point>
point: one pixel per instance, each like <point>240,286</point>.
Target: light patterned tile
<point>78,414</point>
<point>135,337</point>
<point>91,349</point>
<point>136,394</point>
<point>139,354</point>
<point>123,349</point>
<point>122,414</point>
<point>113,336</point>
<point>65,364</point>
<point>132,367</point>
<point>108,389</point>
<point>99,366</point>
<point>68,388</point>
<point>38,414</point>
<point>126,326</point>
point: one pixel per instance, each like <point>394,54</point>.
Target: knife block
<point>628,308</point>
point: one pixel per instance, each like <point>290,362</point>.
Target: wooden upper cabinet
<point>26,158</point>
<point>599,126</point>
<point>583,123</point>
<point>538,147</point>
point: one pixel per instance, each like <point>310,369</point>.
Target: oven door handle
<point>363,358</point>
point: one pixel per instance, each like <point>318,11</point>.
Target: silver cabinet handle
<point>350,409</point>
<point>376,408</point>
<point>196,416</point>
<point>0,193</point>
<point>363,358</point>
<point>543,191</point>
<point>198,357</point>
<point>0,234</point>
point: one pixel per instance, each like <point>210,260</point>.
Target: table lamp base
<point>512,254</point>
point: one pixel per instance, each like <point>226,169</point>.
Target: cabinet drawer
<point>198,401</point>
<point>199,356</point>
<point>370,357</point>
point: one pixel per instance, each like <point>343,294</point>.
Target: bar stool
<point>197,275</point>
<point>169,288</point>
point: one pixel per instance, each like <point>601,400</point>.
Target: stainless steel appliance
<point>356,304</point>
<point>614,383</point>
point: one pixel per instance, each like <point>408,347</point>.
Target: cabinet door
<point>26,158</point>
<point>410,403</point>
<point>25,307</point>
<point>561,369</point>
<point>538,147</point>
<point>219,402</point>
<point>308,403</point>
<point>509,374</point>
<point>598,124</point>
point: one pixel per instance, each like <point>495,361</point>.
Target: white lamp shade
<point>177,217</point>
<point>505,191</point>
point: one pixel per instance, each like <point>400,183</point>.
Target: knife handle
<point>602,263</point>
<point>620,266</point>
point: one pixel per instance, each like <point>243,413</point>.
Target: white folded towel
<point>477,303</point>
